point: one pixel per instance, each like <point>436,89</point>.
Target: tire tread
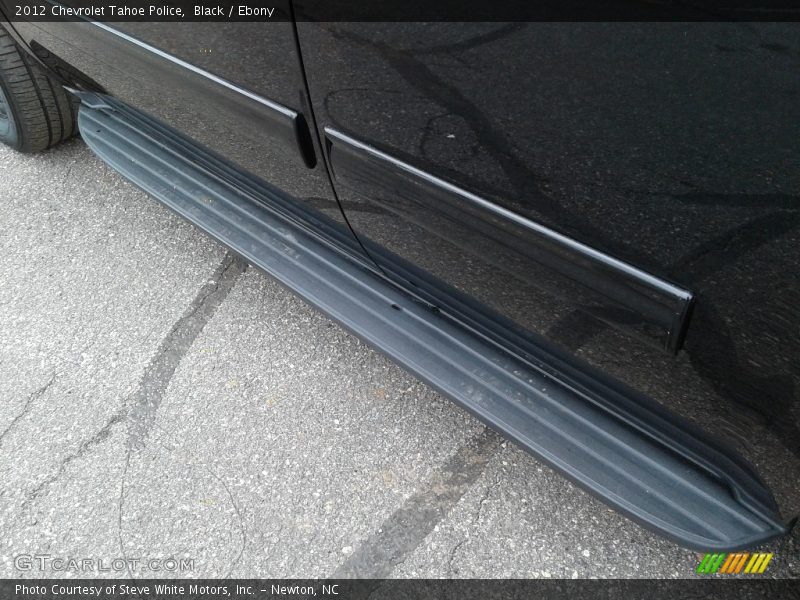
<point>44,111</point>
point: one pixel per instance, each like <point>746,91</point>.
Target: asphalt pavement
<point>167,411</point>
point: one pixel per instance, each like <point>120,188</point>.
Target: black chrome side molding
<point>277,121</point>
<point>615,291</point>
<point>630,452</point>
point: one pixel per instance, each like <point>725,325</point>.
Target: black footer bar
<point>391,589</point>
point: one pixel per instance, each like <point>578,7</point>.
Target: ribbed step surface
<point>699,503</point>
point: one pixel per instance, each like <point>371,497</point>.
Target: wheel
<point>35,111</point>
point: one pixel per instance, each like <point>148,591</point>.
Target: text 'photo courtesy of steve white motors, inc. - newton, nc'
<point>161,589</point>
<point>181,10</point>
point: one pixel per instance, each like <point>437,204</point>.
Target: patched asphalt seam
<point>143,405</point>
<point>410,524</point>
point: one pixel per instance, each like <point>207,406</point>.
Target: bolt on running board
<point>628,451</point>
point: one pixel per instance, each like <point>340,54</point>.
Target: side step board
<point>679,484</point>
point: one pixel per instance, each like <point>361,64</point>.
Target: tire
<point>35,110</point>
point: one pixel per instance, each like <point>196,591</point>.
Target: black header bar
<point>405,10</point>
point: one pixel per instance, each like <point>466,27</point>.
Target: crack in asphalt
<point>485,498</point>
<point>452,558</point>
<point>120,503</point>
<point>139,412</point>
<point>28,403</point>
<point>85,446</point>
<point>409,525</point>
<point>240,518</point>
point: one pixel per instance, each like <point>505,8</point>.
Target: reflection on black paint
<point>671,146</point>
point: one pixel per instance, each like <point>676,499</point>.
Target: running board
<point>633,456</point>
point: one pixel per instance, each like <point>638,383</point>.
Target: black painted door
<point>672,148</point>
<point>228,85</point>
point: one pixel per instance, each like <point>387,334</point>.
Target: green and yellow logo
<point>735,563</point>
